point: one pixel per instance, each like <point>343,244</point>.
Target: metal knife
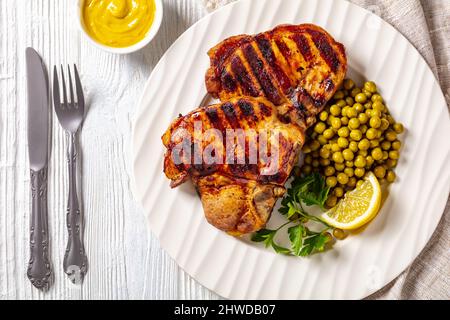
<point>39,269</point>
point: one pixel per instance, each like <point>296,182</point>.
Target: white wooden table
<point>125,260</point>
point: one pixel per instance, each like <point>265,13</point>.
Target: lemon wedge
<point>358,206</point>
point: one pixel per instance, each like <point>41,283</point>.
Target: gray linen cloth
<point>426,23</point>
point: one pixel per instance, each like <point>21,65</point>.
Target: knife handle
<point>39,270</point>
<point>75,260</point>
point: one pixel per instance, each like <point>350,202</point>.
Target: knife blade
<point>39,270</point>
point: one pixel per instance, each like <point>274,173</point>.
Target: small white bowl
<point>135,47</point>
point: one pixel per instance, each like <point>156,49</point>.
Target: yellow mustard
<point>118,23</point>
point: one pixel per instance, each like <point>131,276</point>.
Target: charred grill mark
<point>230,114</point>
<point>228,83</point>
<point>326,50</point>
<point>213,116</point>
<point>284,49</point>
<point>303,45</point>
<point>261,74</point>
<point>265,110</point>
<point>265,47</point>
<point>242,75</point>
<point>244,169</point>
<point>247,110</point>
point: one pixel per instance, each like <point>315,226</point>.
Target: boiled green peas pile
<point>353,135</point>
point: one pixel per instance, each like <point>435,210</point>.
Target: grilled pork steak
<point>270,85</point>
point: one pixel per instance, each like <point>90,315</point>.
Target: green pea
<point>390,135</point>
<point>353,123</point>
<point>349,101</point>
<point>324,162</point>
<point>348,154</point>
<point>351,113</point>
<point>398,128</point>
<point>384,124</point>
<point>360,161</point>
<point>385,155</point>
<point>342,178</point>
<point>374,143</point>
<point>359,172</point>
<point>377,105</point>
<point>396,145</point>
<point>331,202</point>
<point>368,105</point>
<point>351,182</point>
<point>359,183</point>
<point>328,134</point>
<point>353,145</point>
<point>375,122</point>
<point>377,154</point>
<point>394,155</point>
<point>349,171</point>
<point>329,171</point>
<point>315,145</point>
<point>356,135</point>
<point>306,169</point>
<point>349,84</point>
<point>341,103</point>
<point>308,159</point>
<point>344,111</point>
<point>363,129</point>
<point>322,140</point>
<point>324,153</point>
<point>385,145</point>
<point>363,153</point>
<point>371,133</point>
<point>338,157</point>
<point>391,163</point>
<point>342,142</point>
<point>390,119</point>
<point>390,176</point>
<point>315,163</point>
<point>338,192</point>
<point>361,98</point>
<point>323,116</point>
<point>344,121</point>
<point>379,172</point>
<point>376,97</point>
<point>364,144</point>
<point>355,91</point>
<point>339,166</point>
<point>358,107</point>
<point>335,110</point>
<point>368,94</point>
<point>306,149</point>
<point>343,132</point>
<point>370,86</point>
<point>363,118</point>
<point>369,161</point>
<point>336,123</point>
<point>338,95</point>
<point>331,182</point>
<point>375,113</point>
<point>320,127</point>
<point>335,147</point>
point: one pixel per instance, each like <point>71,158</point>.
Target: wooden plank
<point>125,261</point>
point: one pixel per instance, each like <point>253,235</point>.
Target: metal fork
<point>70,115</point>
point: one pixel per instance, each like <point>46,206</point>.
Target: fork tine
<point>56,98</point>
<point>72,100</point>
<point>63,80</point>
<point>79,88</point>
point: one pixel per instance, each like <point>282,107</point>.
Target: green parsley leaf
<point>314,242</point>
<point>296,234</point>
<point>267,236</point>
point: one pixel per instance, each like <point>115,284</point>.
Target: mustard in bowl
<point>120,26</point>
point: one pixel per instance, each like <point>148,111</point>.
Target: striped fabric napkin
<point>427,25</point>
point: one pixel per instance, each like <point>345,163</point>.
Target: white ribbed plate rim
<point>356,267</point>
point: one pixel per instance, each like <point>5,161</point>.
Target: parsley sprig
<point>308,190</point>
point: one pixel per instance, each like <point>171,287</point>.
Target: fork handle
<point>39,269</point>
<point>75,260</point>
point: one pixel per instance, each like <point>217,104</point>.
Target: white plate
<point>357,266</point>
